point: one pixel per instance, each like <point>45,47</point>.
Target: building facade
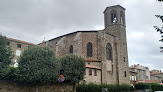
<point>143,75</point>
<point>133,76</point>
<point>105,51</point>
<point>156,75</point>
<point>17,46</point>
<point>142,72</point>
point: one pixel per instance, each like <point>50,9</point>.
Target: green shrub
<point>5,57</point>
<point>81,88</point>
<point>118,88</point>
<point>37,65</point>
<point>89,88</point>
<point>141,86</point>
<point>125,87</point>
<point>12,74</point>
<point>154,86</point>
<point>157,87</point>
<point>97,88</point>
<point>93,88</point>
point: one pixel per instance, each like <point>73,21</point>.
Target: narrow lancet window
<point>71,49</point>
<point>89,49</point>
<point>108,52</point>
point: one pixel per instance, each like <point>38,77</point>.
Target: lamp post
<point>59,73</point>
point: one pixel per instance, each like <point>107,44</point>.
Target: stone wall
<point>109,71</point>
<point>92,38</point>
<point>93,63</point>
<point>118,29</point>
<point>92,78</point>
<point>15,87</point>
<point>114,71</point>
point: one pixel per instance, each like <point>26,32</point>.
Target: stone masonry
<point>6,86</point>
<point>108,48</point>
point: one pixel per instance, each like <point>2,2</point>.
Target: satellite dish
<point>115,20</point>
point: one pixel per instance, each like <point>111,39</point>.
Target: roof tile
<point>94,67</point>
<point>11,39</point>
<point>92,60</point>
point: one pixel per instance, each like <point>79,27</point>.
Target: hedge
<point>154,86</point>
<point>97,88</point>
<point>12,74</point>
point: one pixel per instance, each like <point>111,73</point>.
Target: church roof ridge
<point>73,33</point>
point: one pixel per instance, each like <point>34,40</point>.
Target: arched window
<point>71,49</point>
<point>121,17</point>
<point>89,49</point>
<point>108,52</point>
<point>113,16</point>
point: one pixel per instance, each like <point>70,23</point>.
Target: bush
<point>5,57</point>
<point>73,68</point>
<point>89,88</point>
<point>97,88</point>
<point>154,86</point>
<point>12,74</point>
<point>157,87</point>
<point>37,65</point>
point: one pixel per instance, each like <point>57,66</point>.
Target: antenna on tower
<point>43,40</point>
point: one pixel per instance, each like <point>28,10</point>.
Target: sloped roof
<point>96,60</point>
<point>93,67</point>
<point>149,81</point>
<point>136,68</point>
<point>15,40</point>
<point>114,6</point>
<point>74,33</point>
<point>132,71</point>
<point>156,73</point>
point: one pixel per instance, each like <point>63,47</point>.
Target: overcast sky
<point>32,20</point>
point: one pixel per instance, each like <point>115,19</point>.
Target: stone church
<point>105,51</point>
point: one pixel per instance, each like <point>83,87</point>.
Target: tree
<point>5,56</point>
<point>73,68</point>
<point>12,74</point>
<point>160,29</point>
<point>37,65</point>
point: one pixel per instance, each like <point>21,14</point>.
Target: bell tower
<point>115,25</point>
<point>114,15</point>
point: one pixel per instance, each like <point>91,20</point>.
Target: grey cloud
<point>140,19</point>
<point>39,17</point>
<point>32,20</point>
